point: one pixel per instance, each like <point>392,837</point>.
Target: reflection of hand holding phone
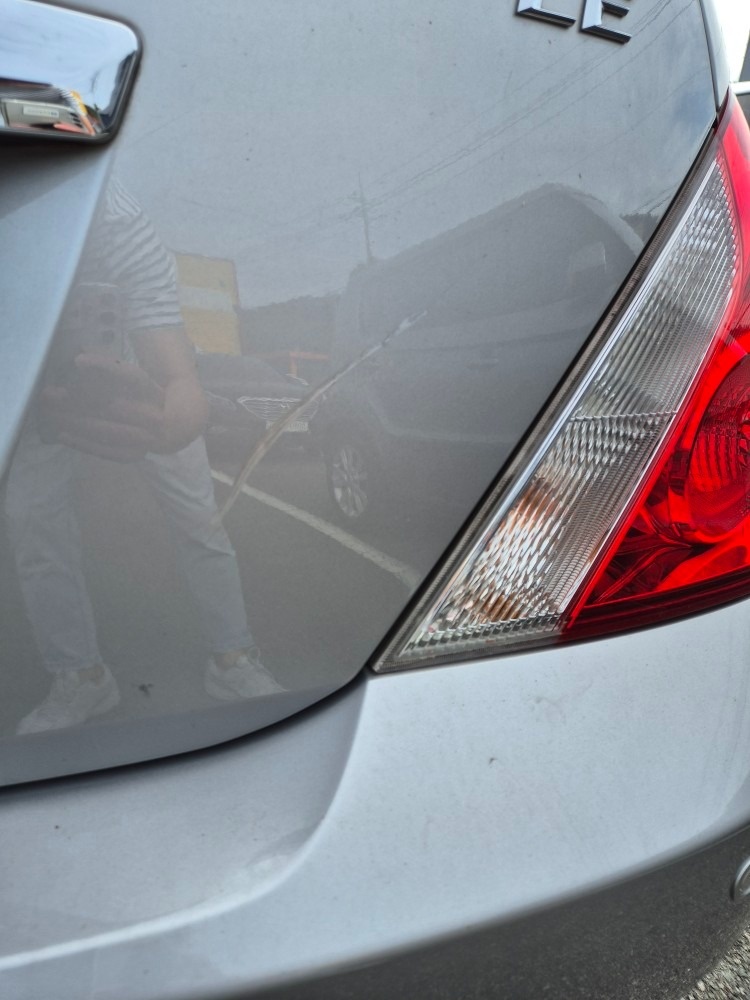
<point>92,324</point>
<point>93,399</point>
<point>109,408</point>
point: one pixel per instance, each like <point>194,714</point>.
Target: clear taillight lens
<point>631,500</point>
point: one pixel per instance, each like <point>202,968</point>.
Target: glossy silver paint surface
<point>423,213</point>
<point>63,73</point>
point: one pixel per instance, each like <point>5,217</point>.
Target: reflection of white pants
<point>46,542</point>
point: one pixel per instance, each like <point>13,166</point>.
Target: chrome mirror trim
<point>64,74</point>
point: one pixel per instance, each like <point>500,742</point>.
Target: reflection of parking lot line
<point>400,570</point>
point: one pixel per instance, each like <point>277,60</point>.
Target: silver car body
<point>447,197</point>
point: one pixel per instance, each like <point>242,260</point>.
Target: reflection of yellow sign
<point>209,301</point>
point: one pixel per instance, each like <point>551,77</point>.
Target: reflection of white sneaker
<point>245,678</point>
<point>74,697</point>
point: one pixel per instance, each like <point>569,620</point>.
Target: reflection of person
<point>140,403</point>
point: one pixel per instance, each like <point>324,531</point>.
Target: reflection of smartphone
<point>92,323</point>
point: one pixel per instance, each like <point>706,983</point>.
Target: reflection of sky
<point>42,44</point>
<point>254,147</point>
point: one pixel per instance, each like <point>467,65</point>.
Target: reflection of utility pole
<point>365,221</point>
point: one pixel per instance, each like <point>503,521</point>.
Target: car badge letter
<point>592,21</point>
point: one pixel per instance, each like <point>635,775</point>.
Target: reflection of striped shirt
<point>123,249</point>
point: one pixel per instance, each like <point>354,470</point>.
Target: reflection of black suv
<point>449,313</point>
<point>245,397</point>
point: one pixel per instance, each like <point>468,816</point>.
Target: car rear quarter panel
<point>449,189</point>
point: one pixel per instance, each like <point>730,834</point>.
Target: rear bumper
<point>646,938</point>
<point>559,824</point>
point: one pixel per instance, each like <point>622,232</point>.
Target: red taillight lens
<point>711,501</point>
<point>630,502</point>
<point>688,540</point>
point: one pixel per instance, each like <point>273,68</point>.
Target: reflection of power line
<point>549,98</point>
<point>329,213</point>
<point>331,208</point>
<point>490,136</point>
<point>657,201</point>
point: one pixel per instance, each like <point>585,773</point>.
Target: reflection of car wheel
<point>351,471</point>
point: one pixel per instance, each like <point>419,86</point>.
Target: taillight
<point>687,544</point>
<point>630,503</point>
